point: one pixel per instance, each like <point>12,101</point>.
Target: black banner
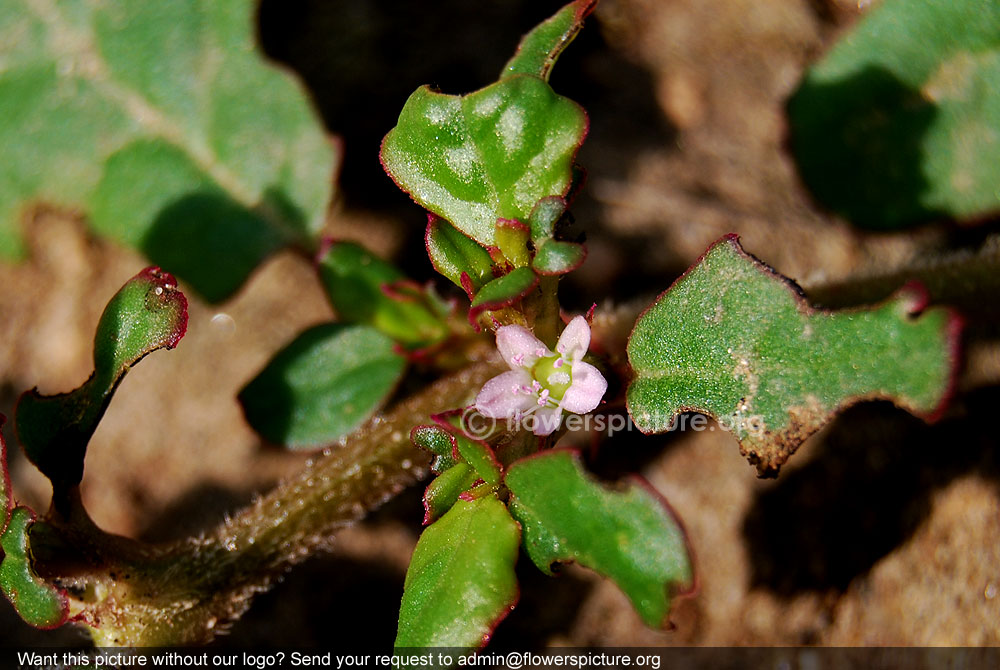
<point>569,658</point>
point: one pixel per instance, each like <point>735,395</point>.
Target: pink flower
<point>542,384</point>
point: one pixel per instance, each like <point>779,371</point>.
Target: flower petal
<point>587,389</point>
<point>575,339</point>
<point>519,347</point>
<point>544,420</point>
<point>502,397</point>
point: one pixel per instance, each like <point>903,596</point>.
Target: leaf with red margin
<point>454,254</point>
<point>36,601</point>
<point>494,153</point>
<point>503,291</point>
<point>365,289</point>
<point>439,442</point>
<point>442,493</point>
<point>544,217</point>
<point>147,313</point>
<point>480,456</point>
<point>557,258</point>
<point>39,603</point>
<point>630,536</point>
<point>480,490</point>
<point>539,49</point>
<point>460,461</point>
<point>735,340</point>
<point>469,449</point>
<point>461,581</point>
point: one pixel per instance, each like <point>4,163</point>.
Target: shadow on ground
<point>865,492</point>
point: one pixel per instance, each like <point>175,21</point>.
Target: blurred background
<point>879,531</point>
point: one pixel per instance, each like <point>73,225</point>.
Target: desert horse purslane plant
<point>496,171</point>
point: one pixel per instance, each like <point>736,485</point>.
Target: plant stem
<point>543,311</point>
<point>127,593</point>
<point>968,281</point>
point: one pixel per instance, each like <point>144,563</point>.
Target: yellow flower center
<point>554,374</point>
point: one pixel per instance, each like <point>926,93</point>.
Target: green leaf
<point>461,579</point>
<point>475,452</point>
<point>443,492</point>
<point>735,340</point>
<point>539,49</point>
<point>322,386</point>
<point>147,313</point>
<point>557,258</point>
<point>365,289</point>
<point>897,124</point>
<point>451,443</point>
<point>164,123</point>
<point>487,155</point>
<point>630,536</point>
<point>504,291</point>
<point>480,456</point>
<point>454,254</point>
<point>544,217</point>
<point>38,602</point>
<point>439,442</point>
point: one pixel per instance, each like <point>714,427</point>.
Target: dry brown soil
<point>880,531</point>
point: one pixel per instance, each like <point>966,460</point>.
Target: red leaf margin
<point>913,292</point>
<point>674,593</point>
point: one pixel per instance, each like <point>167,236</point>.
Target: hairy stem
<point>969,281</point>
<point>127,593</point>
